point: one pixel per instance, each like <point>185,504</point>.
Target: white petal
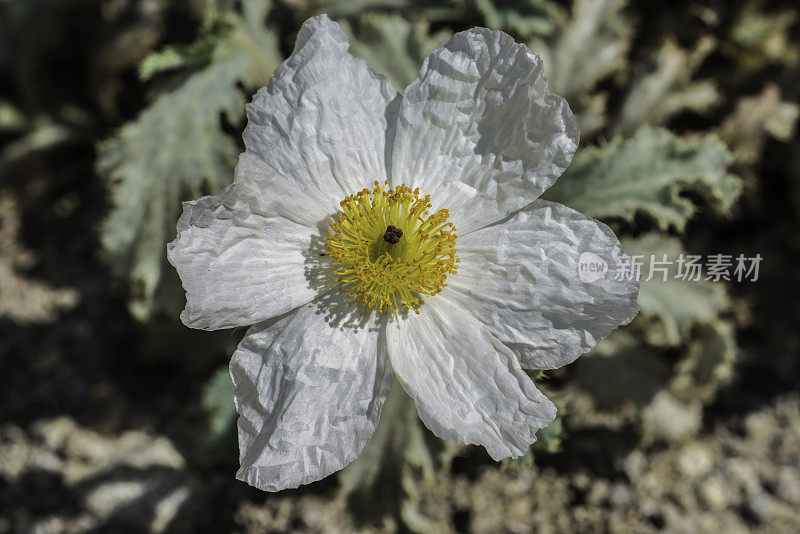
<point>283,196</point>
<point>240,263</point>
<point>309,392</point>
<point>322,120</point>
<point>467,386</point>
<point>478,131</point>
<point>521,279</point>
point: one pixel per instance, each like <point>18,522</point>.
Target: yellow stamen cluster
<point>379,272</point>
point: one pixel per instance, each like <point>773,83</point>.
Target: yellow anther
<point>389,249</point>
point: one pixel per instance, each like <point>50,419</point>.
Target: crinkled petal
<point>309,393</point>
<point>240,263</point>
<point>467,386</point>
<point>521,279</point>
<point>314,135</point>
<point>477,129</point>
<point>321,123</point>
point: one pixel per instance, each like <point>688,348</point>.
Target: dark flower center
<point>392,235</point>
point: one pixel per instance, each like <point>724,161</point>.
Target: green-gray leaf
<point>656,96</point>
<point>180,56</point>
<point>649,173</point>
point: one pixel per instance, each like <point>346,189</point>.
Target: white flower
<point>300,247</point>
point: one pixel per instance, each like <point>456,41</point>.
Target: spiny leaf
<point>585,49</point>
<point>392,45</point>
<point>176,150</point>
<point>675,306</point>
<point>649,173</point>
<point>181,56</point>
<point>656,96</point>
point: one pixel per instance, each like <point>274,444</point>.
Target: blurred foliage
<point>669,87</point>
<point>178,147</point>
<point>397,44</point>
<point>754,120</point>
<point>584,49</point>
<point>609,181</point>
<point>523,18</point>
<point>761,39</point>
<point>197,54</point>
<point>666,142</point>
<point>672,306</point>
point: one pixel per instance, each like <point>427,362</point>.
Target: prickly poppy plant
<point>371,237</point>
